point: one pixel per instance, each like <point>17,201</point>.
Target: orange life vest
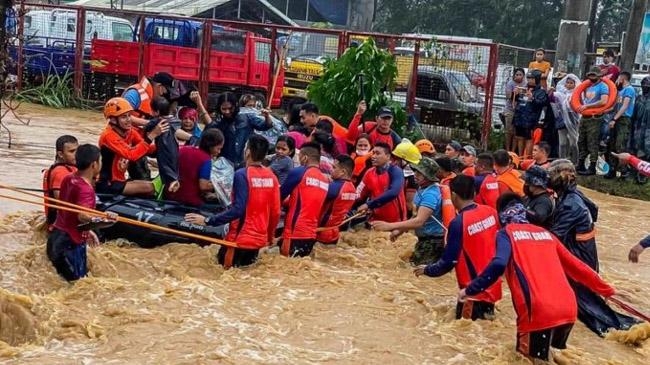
<point>145,90</point>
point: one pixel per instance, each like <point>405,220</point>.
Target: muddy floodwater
<point>358,303</point>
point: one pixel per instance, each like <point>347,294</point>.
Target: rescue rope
<point>355,216</point>
<point>66,206</point>
<point>628,308</point>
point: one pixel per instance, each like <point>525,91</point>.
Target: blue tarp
<point>334,11</point>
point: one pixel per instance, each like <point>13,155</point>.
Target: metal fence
<point>449,84</point>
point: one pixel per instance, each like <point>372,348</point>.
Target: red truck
<point>237,61</point>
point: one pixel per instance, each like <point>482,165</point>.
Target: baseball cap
<point>456,145</point>
<point>164,79</point>
<point>594,70</point>
<point>384,112</point>
<point>469,149</point>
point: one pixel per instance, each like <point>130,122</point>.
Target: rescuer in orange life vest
<point>141,94</point>
<point>434,212</point>
<point>471,244</point>
<point>341,195</point>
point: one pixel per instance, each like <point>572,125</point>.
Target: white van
<point>58,28</point>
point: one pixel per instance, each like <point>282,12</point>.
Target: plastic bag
<point>222,176</point>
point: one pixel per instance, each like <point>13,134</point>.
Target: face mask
<point>362,153</point>
<point>645,90</point>
<point>593,80</point>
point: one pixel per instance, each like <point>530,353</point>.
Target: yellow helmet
<point>116,107</point>
<point>407,151</point>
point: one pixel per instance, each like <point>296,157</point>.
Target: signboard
<point>643,51</point>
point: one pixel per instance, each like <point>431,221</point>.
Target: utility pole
<point>572,38</point>
<point>5,5</point>
<point>633,34</point>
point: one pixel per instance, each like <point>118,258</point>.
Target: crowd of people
<point>609,119</point>
<point>471,210</point>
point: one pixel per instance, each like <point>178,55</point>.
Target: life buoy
<point>576,98</point>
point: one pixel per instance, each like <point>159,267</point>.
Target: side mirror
<point>287,62</point>
<point>443,95</point>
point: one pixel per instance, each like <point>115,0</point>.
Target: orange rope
<point>360,214</point>
<point>66,206</point>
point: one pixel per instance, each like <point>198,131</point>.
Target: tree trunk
<point>633,34</point>
<point>572,37</point>
<point>361,14</point>
<point>591,35</point>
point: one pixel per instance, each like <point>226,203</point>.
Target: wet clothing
<point>384,189</point>
<point>306,187</point>
<point>114,147</point>
<point>166,149</point>
<point>537,343</point>
<point>354,129</point>
<point>470,247</point>
<point>297,247</point>
<point>52,179</point>
<point>236,132</point>
<point>255,209</point>
<point>573,225</point>
<point>428,249</point>
<point>194,164</point>
<point>69,259</point>
<point>341,195</point>
<point>539,209</point>
<point>281,165</point>
<point>640,141</point>
<point>236,257</point>
<point>538,268</point>
<point>645,243</point>
<point>474,309</point>
<point>66,246</point>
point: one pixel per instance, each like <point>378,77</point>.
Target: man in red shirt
<point>195,168</point>
<point>64,165</point>
<point>538,268</point>
<point>120,145</point>
<point>66,246</point>
<point>255,209</point>
<point>470,247</point>
<point>379,130</point>
<point>306,189</point>
<point>383,188</point>
<point>341,195</point>
<point>488,188</point>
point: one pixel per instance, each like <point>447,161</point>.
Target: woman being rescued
<point>434,212</point>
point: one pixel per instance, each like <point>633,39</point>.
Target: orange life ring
<point>576,98</point>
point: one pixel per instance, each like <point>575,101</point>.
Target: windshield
<point>463,87</point>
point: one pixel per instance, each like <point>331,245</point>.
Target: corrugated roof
<point>180,7</point>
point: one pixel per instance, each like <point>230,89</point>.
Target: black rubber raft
<point>161,213</point>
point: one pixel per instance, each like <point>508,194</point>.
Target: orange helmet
<point>116,107</point>
<point>425,146</point>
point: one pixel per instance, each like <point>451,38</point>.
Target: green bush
<point>337,92</point>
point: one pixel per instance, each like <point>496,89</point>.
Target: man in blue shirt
<point>620,125</point>
<point>427,222</point>
<point>589,133</point>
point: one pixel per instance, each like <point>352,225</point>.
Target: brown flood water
<point>358,303</point>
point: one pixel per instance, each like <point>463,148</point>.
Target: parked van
<point>52,28</point>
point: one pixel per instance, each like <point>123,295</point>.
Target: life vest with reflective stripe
<point>480,227</point>
<point>145,90</point>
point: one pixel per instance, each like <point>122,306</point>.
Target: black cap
<point>384,112</point>
<point>164,79</point>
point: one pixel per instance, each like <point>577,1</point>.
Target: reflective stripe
<point>583,237</point>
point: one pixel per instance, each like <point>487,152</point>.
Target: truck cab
<point>448,104</point>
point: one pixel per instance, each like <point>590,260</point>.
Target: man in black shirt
<point>539,202</point>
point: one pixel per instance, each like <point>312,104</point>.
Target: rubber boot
<point>590,171</point>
